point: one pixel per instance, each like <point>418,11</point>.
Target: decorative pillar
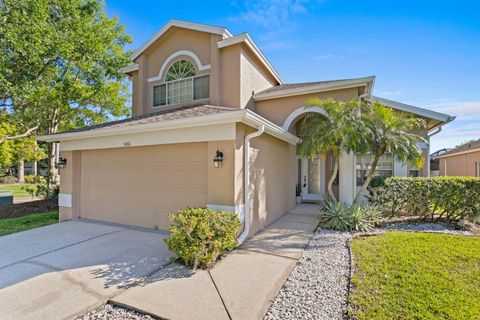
<point>347,177</point>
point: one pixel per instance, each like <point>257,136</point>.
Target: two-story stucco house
<point>197,89</point>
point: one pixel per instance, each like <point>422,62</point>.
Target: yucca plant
<point>359,219</point>
<point>335,215</point>
<point>344,217</point>
<point>373,213</point>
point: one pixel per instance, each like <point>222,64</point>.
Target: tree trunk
<point>362,190</point>
<point>332,179</point>
<point>21,171</point>
<point>52,153</point>
<point>35,168</point>
<point>52,168</point>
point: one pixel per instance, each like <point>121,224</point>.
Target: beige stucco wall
<point>69,184</point>
<point>221,181</point>
<point>459,165</point>
<point>278,110</point>
<point>272,177</point>
<point>254,78</point>
<point>230,77</point>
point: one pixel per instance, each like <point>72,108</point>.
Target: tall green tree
<point>16,144</point>
<point>384,130</point>
<point>59,64</point>
<point>334,131</point>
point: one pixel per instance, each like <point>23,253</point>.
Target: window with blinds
<point>363,164</point>
<point>181,85</point>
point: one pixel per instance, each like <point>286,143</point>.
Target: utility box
<point>6,197</point>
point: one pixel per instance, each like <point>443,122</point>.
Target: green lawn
<point>406,275</point>
<point>31,221</point>
<point>16,188</point>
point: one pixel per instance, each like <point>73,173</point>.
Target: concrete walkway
<point>63,270</point>
<point>241,286</point>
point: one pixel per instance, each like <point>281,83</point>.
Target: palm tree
<point>384,130</point>
<point>331,132</point>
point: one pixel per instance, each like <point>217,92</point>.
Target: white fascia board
<point>412,109</point>
<point>182,24</point>
<point>245,38</point>
<point>130,68</point>
<point>458,153</point>
<point>368,82</point>
<point>245,116</point>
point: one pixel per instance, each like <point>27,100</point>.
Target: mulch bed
<point>23,209</point>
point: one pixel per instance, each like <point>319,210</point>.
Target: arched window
<point>181,85</point>
<point>180,70</point>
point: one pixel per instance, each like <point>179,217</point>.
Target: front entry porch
<point>312,178</point>
<point>313,175</point>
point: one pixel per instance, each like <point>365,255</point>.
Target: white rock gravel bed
<point>424,227</point>
<point>317,287</point>
<point>109,312</point>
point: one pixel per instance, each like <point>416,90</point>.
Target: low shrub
<point>199,236</point>
<point>8,180</point>
<point>41,190</point>
<point>31,179</point>
<point>344,217</point>
<point>450,198</point>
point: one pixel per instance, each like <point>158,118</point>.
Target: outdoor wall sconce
<point>61,163</point>
<point>218,159</point>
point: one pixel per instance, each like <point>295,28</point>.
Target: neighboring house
<point>461,161</point>
<point>435,163</point>
<point>197,89</point>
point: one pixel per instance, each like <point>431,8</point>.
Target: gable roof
<point>293,89</point>
<point>412,109</point>
<point>182,24</point>
<point>439,118</point>
<point>245,38</point>
<point>468,147</point>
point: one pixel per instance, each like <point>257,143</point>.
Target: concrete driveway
<point>60,271</point>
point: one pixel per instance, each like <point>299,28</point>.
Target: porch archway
<point>295,115</point>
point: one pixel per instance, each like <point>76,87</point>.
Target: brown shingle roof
<point>283,87</point>
<point>464,147</point>
<point>164,115</point>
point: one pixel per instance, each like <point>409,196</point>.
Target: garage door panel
<point>142,185</point>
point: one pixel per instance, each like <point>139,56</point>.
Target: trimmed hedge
<point>451,198</point>
<point>199,236</point>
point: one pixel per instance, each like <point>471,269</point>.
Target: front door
<point>313,178</point>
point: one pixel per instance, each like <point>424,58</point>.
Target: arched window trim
<point>173,56</point>
<point>181,85</point>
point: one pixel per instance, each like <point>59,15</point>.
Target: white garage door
<point>141,185</point>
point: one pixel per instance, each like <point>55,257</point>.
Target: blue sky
<point>425,53</point>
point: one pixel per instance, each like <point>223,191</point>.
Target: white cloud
<point>469,108</point>
<point>329,56</point>
<point>277,17</point>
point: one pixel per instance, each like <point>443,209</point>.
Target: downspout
<point>246,181</point>
<point>428,158</point>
